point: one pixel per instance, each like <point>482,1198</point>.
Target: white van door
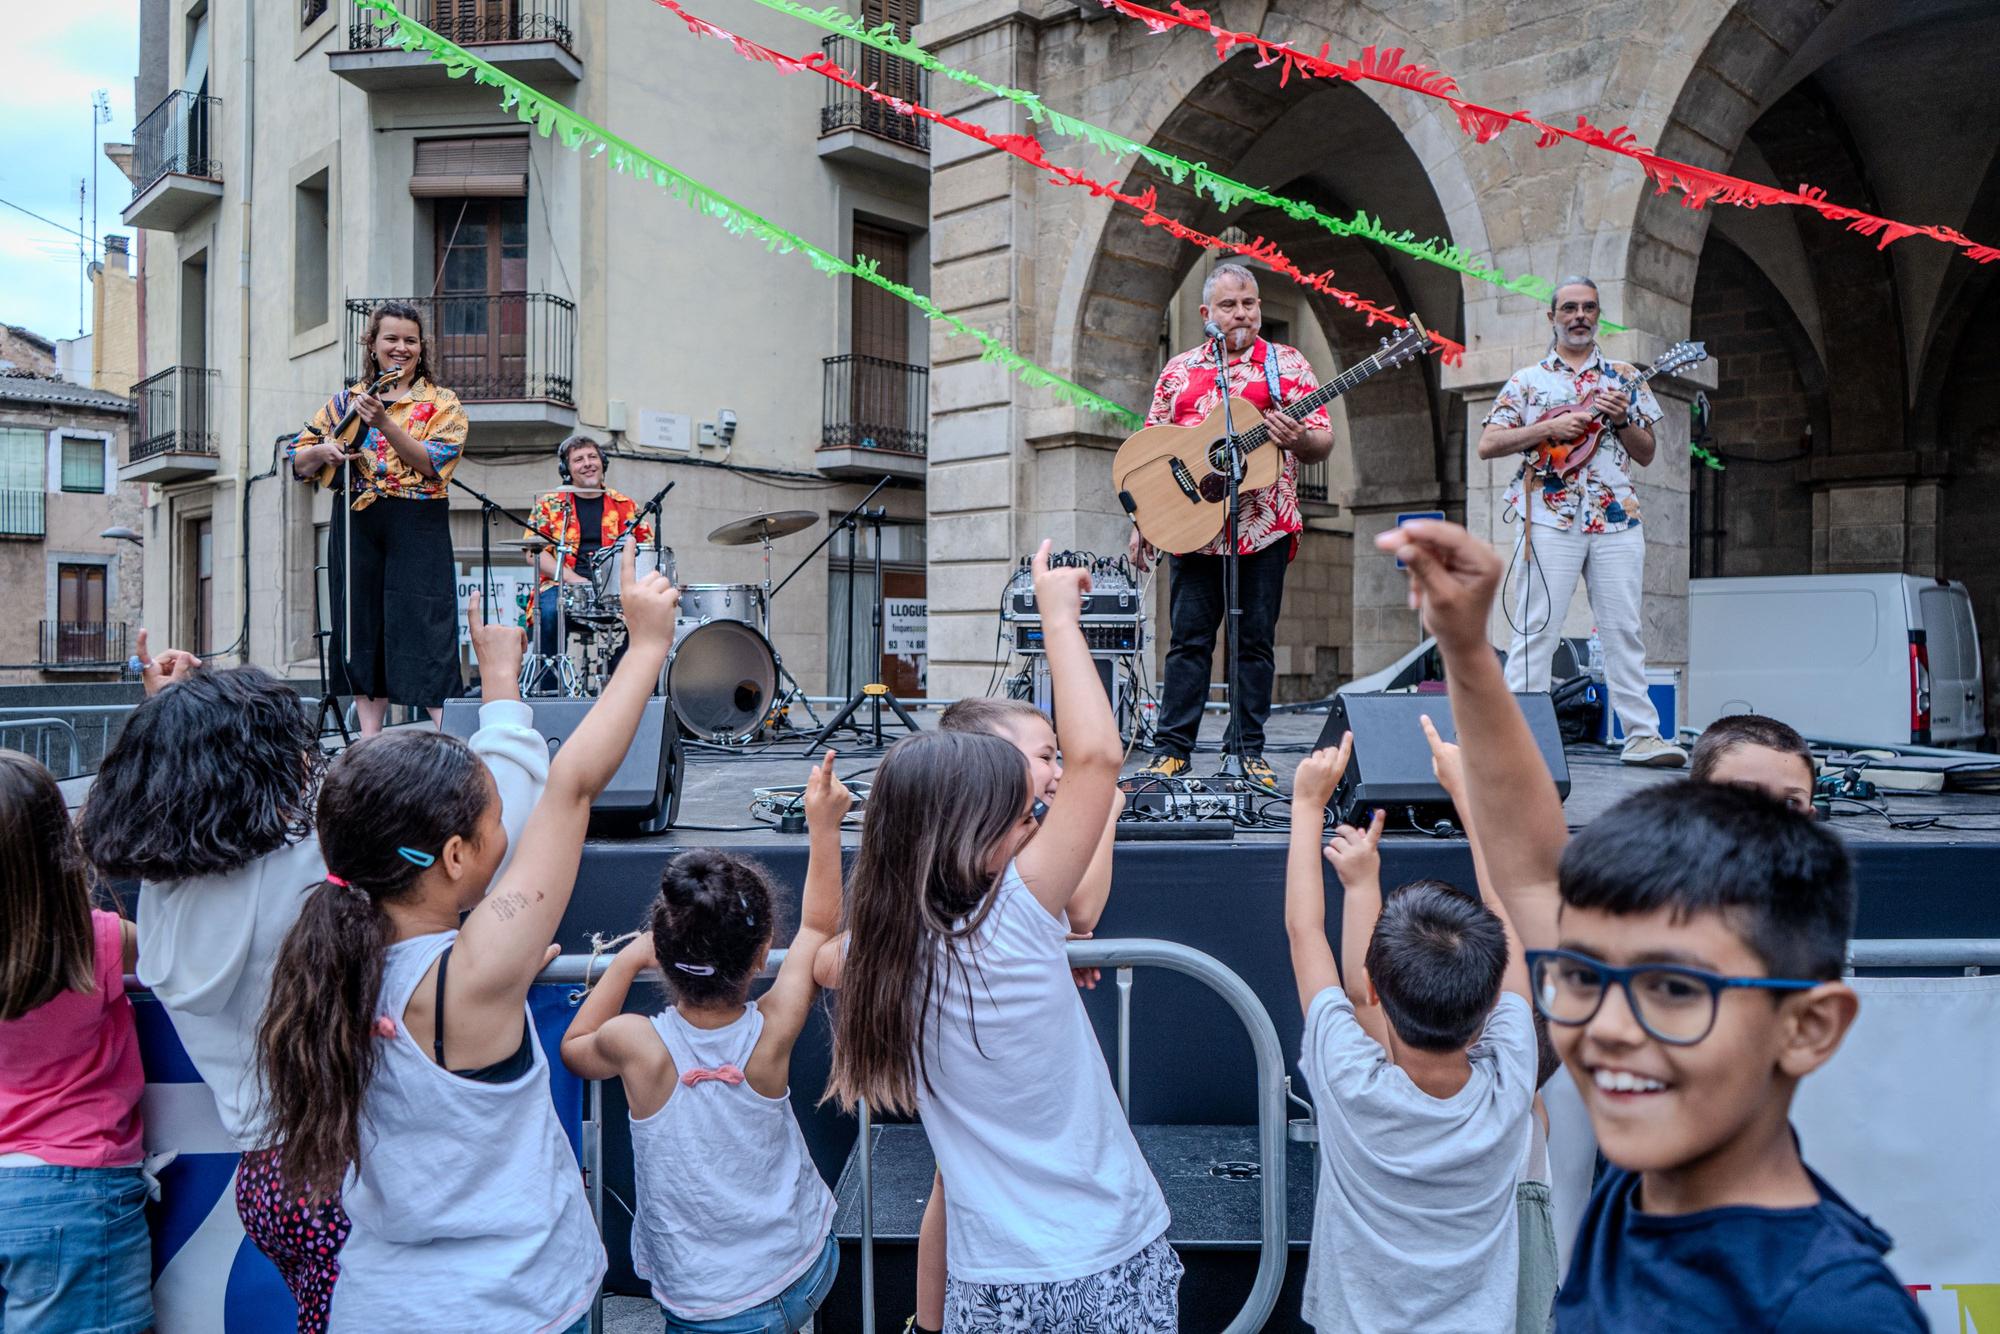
<point>1957,711</point>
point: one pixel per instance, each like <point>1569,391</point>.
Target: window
<point>310,306</point>
<point>83,465</point>
<point>23,472</point>
<point>198,590</point>
<point>81,633</point>
<point>310,10</point>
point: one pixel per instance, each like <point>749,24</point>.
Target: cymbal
<point>757,527</point>
<point>525,544</point>
<point>572,491</point>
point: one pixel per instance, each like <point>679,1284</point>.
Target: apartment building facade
<point>294,169</point>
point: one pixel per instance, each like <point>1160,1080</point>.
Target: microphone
<point>1212,329</point>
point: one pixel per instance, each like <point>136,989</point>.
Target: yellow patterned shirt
<point>433,418</point>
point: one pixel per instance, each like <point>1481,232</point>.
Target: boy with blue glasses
<point>1686,949</point>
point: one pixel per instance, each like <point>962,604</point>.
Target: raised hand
<point>173,665</point>
<point>496,649</point>
<point>1058,592</point>
<point>1356,853</point>
<point>1319,774</point>
<point>1445,762</point>
<point>1453,576</point>
<point>649,601</point>
<point>827,799</point>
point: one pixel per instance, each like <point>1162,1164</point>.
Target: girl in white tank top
<point>733,1219</point>
<point>957,1003</point>
<point>395,1051</point>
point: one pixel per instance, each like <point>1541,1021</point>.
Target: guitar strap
<point>1271,373</point>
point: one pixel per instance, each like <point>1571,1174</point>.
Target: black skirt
<point>404,640</point>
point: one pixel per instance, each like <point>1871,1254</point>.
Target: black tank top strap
<point>500,1072</point>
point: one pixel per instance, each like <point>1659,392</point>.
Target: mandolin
<point>349,425</point>
<point>1569,457</point>
<point>1174,480</point>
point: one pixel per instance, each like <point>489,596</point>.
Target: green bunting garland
<point>550,117</point>
<point>1226,192</point>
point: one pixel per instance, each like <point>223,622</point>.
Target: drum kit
<point>722,676</point>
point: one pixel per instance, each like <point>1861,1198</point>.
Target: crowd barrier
<point>1917,1074</point>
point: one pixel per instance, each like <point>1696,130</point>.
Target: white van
<point>1880,659</point>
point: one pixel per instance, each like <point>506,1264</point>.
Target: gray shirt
<point>1414,1222</point>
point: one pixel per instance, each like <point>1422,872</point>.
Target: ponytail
<point>316,1044</point>
<point>384,799</point>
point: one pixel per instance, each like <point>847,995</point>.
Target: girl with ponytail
<point>207,799</point>
<point>957,1003</point>
<point>401,1068</point>
<point>732,1225</point>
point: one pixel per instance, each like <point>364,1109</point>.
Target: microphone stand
<point>488,507</point>
<point>1232,760</point>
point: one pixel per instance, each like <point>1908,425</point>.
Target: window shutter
<point>487,168</point>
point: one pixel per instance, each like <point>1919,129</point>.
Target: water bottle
<point>1596,657</point>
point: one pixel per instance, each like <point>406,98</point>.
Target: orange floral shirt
<point>555,515</point>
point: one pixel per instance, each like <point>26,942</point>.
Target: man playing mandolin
<point>1580,520</point>
<point>1267,532</point>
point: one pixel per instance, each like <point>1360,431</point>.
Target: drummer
<point>585,516</point>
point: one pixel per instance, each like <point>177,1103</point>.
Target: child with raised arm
<point>396,1052</point>
<point>1420,1054</point>
<point>233,754</point>
<point>957,1002</point>
<point>1686,949</point>
<point>732,1225</point>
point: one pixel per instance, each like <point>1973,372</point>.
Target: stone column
<point>1876,525</point>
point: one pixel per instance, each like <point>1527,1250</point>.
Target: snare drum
<point>587,610</point>
<point>743,603</point>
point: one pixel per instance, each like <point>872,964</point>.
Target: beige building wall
<point>114,320</point>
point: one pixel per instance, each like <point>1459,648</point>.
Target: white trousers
<point>1613,569</point>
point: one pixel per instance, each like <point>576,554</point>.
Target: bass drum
<point>721,679</point>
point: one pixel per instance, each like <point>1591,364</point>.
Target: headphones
<point>562,455</point>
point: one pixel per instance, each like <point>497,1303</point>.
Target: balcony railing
<point>20,513</point>
<point>82,643</point>
<point>177,138</point>
<point>176,413</point>
<point>846,109</point>
<point>512,347</point>
<point>1313,481</point>
<point>469,22</point>
<point>874,403</point>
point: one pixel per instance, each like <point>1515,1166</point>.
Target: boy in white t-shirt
<point>1422,1071</point>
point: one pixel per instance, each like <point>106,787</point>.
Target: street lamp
<point>120,533</point>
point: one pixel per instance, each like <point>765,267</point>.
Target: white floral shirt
<point>1601,495</point>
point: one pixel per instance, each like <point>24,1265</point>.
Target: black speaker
<point>643,797</point>
<point>1391,763</point>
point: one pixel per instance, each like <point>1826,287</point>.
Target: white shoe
<point>1653,752</point>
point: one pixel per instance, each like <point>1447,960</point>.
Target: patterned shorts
<point>1141,1295</point>
<point>301,1238</point>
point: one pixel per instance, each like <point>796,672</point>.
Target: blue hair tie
<point>415,858</point>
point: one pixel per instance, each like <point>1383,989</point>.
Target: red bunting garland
<point>1029,149</point>
<point>1698,185</point>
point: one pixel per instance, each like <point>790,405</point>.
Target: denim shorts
<point>74,1252</point>
<point>783,1314</point>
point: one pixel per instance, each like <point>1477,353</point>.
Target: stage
<point>1192,1065</point>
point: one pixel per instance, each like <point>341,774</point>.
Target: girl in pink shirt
<point>74,1253</point>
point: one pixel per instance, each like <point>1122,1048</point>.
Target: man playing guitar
<point>1267,533</point>
<point>1584,522</point>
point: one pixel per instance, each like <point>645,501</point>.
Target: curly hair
<point>397,310</point>
<point>711,924</point>
<point>209,775</point>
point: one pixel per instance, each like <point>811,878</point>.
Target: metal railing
<point>847,109</point>
<point>506,348</point>
<point>21,512</point>
<point>82,643</point>
<point>1970,955</point>
<point>874,403</point>
<point>86,729</point>
<point>469,22</point>
<point>176,413</point>
<point>177,137</point>
<point>1313,481</point>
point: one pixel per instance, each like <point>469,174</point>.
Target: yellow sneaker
<point>1164,765</point>
<point>1258,774</point>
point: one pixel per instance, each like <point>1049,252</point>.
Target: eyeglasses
<point>1675,1005</point>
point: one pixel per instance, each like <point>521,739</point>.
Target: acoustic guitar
<point>1569,457</point>
<point>1174,480</point>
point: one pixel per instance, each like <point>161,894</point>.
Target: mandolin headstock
<point>1678,357</point>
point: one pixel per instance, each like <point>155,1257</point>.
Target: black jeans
<point>1195,598</point>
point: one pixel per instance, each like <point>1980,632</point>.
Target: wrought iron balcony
<point>511,359</point>
<point>875,417</point>
<point>1313,482</point>
<point>99,644</point>
<point>20,514</point>
<point>175,170</point>
<point>174,439</point>
<point>854,127</point>
<point>530,39</point>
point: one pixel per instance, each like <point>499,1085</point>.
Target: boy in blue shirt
<point>1686,949</point>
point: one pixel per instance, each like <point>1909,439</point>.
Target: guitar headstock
<point>1408,344</point>
<point>1679,356</point>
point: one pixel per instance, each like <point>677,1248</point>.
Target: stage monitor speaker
<point>644,795</point>
<point>1391,763</point>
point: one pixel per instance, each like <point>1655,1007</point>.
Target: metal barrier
<point>1972,955</point>
<point>43,728</point>
<point>89,729</point>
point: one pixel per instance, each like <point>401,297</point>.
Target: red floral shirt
<point>1187,391</point>
<point>555,514</point>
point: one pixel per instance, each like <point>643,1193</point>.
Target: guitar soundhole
<point>1218,455</point>
<point>1215,488</point>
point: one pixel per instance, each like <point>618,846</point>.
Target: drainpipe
<point>247,109</point>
